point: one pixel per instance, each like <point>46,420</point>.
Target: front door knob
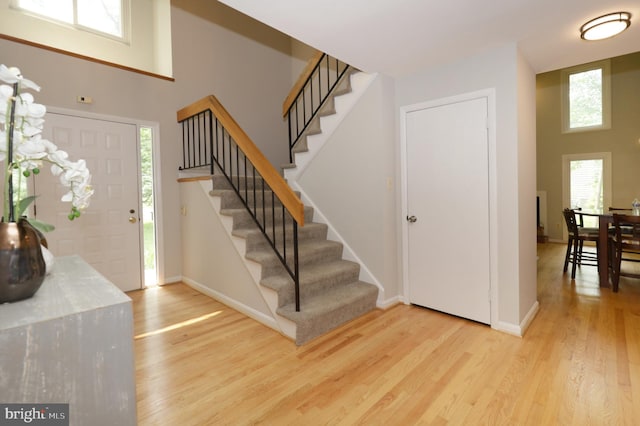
<point>411,219</point>
<point>132,219</point>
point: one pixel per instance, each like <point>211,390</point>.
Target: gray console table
<point>72,342</point>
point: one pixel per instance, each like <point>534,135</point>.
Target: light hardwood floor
<point>199,362</point>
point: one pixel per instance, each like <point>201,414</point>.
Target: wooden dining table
<point>604,219</point>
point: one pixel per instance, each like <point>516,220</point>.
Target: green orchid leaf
<point>41,226</point>
<point>24,204</point>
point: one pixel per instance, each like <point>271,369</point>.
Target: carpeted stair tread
<point>302,145</point>
<point>325,312</point>
<point>230,200</point>
<point>314,279</point>
<point>255,240</point>
<point>308,253</point>
<point>243,219</point>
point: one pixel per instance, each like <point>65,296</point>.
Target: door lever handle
<point>411,219</point>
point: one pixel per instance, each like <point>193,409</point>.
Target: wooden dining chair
<point>620,210</point>
<point>580,220</point>
<point>625,246</point>
<point>575,244</point>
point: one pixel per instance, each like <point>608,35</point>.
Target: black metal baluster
<point>284,235</point>
<point>296,268</point>
<point>264,209</point>
<point>304,107</point>
<point>183,145</point>
<point>273,218</point>
<point>211,142</point>
<point>235,145</point>
<point>218,143</point>
<point>196,142</point>
<point>191,136</point>
<point>246,177</point>
<point>255,201</point>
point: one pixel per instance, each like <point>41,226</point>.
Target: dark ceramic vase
<point>22,267</point>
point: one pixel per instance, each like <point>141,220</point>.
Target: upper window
<point>586,97</point>
<point>103,16</point>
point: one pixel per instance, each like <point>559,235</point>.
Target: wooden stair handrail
<point>275,181</point>
<point>304,76</point>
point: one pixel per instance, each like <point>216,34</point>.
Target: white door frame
<point>490,95</point>
<point>157,191</point>
<point>566,175</point>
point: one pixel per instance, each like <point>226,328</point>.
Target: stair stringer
<point>284,325</point>
<point>360,82</point>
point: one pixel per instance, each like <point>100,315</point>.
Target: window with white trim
<point>586,97</point>
<point>106,17</point>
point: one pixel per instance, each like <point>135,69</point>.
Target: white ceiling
<point>400,37</point>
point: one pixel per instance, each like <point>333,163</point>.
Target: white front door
<point>107,235</point>
<point>448,196</point>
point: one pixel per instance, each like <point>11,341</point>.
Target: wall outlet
<point>84,99</point>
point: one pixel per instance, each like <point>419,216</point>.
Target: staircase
<point>310,279</point>
<point>330,290</point>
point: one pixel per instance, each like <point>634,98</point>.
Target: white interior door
<point>448,195</point>
<point>107,235</point>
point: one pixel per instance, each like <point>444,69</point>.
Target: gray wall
<point>225,53</point>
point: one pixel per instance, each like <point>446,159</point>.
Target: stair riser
<point>326,254</point>
<point>220,182</point>
<point>317,286</point>
<point>242,219</point>
<point>301,145</point>
<point>256,241</point>
<point>332,318</point>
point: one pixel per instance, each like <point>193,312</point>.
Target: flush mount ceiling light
<point>605,26</point>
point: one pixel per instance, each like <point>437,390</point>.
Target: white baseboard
<point>528,319</point>
<point>518,330</point>
<point>388,303</point>
<point>171,280</point>
<point>234,304</point>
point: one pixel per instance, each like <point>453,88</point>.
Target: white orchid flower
<point>57,156</point>
<point>51,147</point>
<point>6,93</point>
<point>30,150</point>
<point>81,191</point>
<point>12,75</point>
<point>30,131</point>
<point>25,107</point>
<point>36,110</point>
